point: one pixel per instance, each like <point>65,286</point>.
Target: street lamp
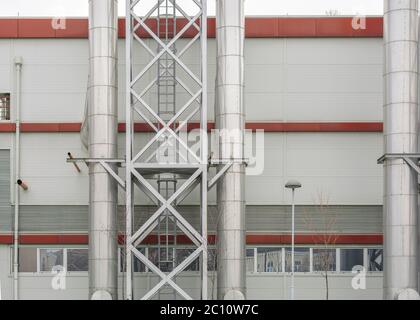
<point>293,184</point>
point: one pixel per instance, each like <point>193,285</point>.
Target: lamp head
<point>293,184</point>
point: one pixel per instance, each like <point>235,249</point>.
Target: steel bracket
<point>412,159</point>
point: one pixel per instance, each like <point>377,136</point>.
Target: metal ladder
<point>166,89</point>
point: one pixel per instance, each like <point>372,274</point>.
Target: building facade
<point>313,101</point>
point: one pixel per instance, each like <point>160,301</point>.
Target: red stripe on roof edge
<point>266,126</point>
<point>255,27</point>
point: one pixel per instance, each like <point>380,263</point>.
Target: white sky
<point>58,8</point>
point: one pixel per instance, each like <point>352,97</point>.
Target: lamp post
<point>293,184</point>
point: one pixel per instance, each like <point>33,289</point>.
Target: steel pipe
<point>400,136</point>
<point>230,120</point>
<point>102,142</point>
<point>22,184</point>
<point>18,65</point>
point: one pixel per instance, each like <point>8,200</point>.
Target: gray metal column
<point>102,120</point>
<point>230,120</point>
<point>400,136</point>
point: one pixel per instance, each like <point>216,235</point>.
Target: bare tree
<point>322,228</point>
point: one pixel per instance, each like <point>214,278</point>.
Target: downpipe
<point>18,65</point>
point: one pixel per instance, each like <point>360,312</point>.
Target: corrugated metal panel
<point>342,219</point>
<point>53,218</point>
<point>5,209</point>
<point>313,219</point>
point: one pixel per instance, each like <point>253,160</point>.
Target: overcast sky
<point>69,8</point>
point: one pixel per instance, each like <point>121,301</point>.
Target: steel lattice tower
<point>165,168</point>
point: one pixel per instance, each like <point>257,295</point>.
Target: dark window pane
<point>269,259</point>
<point>77,260</point>
<point>50,258</point>
<point>350,258</point>
<point>250,259</point>
<point>27,259</point>
<point>212,260</point>
<point>301,259</point>
<point>182,254</point>
<point>324,259</point>
<point>4,106</point>
<point>138,266</point>
<point>375,259</point>
<point>162,258</point>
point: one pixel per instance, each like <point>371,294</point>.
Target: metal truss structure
<point>412,159</point>
<point>166,168</point>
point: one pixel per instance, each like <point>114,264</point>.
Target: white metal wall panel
<point>54,78</point>
<point>6,140</point>
<point>341,166</point>
<point>5,208</point>
<point>50,178</point>
<point>331,79</point>
<point>5,66</point>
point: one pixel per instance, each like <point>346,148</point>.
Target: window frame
<point>365,249</point>
<point>282,262</point>
<point>364,262</point>
<point>337,256</point>
<point>66,257</point>
<point>50,248</point>
<point>146,253</point>
<point>10,107</point>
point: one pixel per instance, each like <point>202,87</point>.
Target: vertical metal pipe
<point>400,136</point>
<point>18,65</point>
<point>230,120</point>
<point>292,284</point>
<point>204,152</point>
<point>128,151</point>
<point>102,117</point>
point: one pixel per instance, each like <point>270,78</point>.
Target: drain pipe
<point>102,143</point>
<point>18,65</point>
<point>400,136</point>
<point>230,120</point>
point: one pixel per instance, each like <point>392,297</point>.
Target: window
<point>4,106</point>
<point>138,266</point>
<point>212,259</point>
<point>350,258</point>
<point>302,259</point>
<point>182,254</point>
<point>269,259</point>
<point>324,259</point>
<point>250,260</point>
<point>152,253</point>
<point>49,258</point>
<point>27,259</point>
<point>162,258</point>
<point>375,257</point>
<point>77,260</point>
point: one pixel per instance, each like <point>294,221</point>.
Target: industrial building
<point>82,100</point>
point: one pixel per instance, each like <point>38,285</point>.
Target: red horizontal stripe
<point>262,27</point>
<point>251,239</point>
<point>319,239</point>
<point>266,126</point>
